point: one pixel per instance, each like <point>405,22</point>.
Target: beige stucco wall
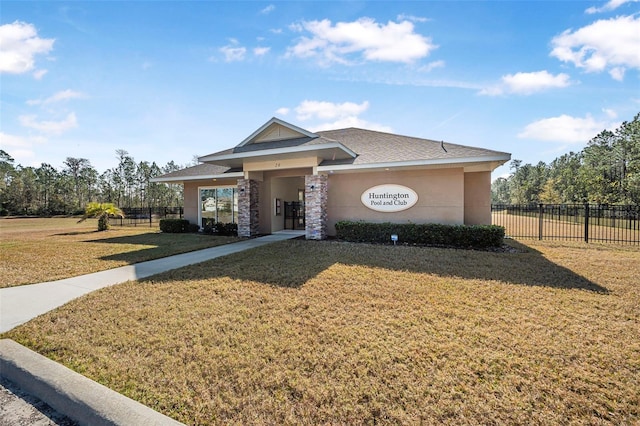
<point>447,196</point>
<point>274,166</point>
<point>440,197</point>
<point>477,198</point>
<point>191,203</point>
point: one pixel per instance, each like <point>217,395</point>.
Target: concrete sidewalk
<point>23,303</point>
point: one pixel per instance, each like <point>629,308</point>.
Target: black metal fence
<point>147,216</point>
<point>586,222</point>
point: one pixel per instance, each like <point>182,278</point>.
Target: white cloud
<point>261,51</point>
<point>233,51</point>
<point>335,115</point>
<point>20,148</point>
<point>495,90</point>
<point>296,27</point>
<point>526,83</point>
<point>351,122</point>
<point>57,97</point>
<point>49,127</point>
<point>432,65</point>
<point>609,6</point>
<point>364,38</point>
<point>605,44</point>
<point>267,10</point>
<point>564,128</point>
<point>328,110</point>
<point>38,74</point>
<point>282,111</point>
<point>19,44</point>
<point>617,73</point>
<point>13,141</point>
<point>405,17</point>
<point>610,113</point>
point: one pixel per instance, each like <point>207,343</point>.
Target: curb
<point>71,394</point>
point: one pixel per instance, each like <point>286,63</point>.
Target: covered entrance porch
<point>281,187</point>
<point>282,200</point>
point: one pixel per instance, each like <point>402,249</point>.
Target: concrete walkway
<point>23,303</point>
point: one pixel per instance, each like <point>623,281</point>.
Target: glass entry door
<point>294,215</point>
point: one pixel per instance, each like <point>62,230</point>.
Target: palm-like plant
<point>102,211</point>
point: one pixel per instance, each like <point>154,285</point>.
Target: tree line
<point>46,190</point>
<point>606,171</point>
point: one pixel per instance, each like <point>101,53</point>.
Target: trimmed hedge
<point>179,226</point>
<point>431,234</point>
<point>175,226</point>
<point>218,228</point>
<point>226,228</point>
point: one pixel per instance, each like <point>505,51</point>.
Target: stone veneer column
<point>315,206</point>
<point>248,208</point>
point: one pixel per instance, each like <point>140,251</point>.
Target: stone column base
<point>315,201</point>
<point>248,208</point>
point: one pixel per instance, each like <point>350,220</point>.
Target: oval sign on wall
<point>389,198</point>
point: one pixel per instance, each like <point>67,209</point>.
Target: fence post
<point>540,221</point>
<point>586,222</point>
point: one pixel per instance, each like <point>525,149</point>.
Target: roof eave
<point>221,159</point>
<point>179,179</point>
<point>453,162</point>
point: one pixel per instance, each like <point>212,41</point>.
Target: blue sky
<point>171,80</point>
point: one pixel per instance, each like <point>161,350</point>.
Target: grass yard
<point>46,249</point>
<point>334,333</point>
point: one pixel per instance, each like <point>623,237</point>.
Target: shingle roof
<point>200,170</point>
<point>378,147</point>
<point>370,146</point>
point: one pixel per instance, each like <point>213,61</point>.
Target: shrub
<point>226,228</point>
<point>432,234</point>
<point>174,226</point>
<point>208,226</point>
<point>211,227</point>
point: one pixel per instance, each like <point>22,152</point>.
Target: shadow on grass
<point>293,263</point>
<point>95,231</point>
<point>161,245</point>
<point>149,238</point>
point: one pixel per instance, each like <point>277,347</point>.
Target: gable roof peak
<point>281,128</point>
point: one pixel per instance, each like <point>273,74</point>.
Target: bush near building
<point>429,234</point>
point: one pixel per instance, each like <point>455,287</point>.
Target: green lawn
<point>45,249</point>
<point>304,332</point>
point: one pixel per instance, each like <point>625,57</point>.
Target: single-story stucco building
<point>285,177</point>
